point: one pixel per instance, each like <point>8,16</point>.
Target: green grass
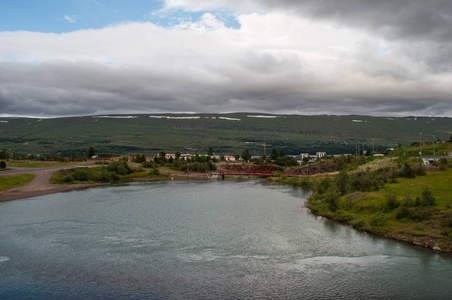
<point>368,211</point>
<point>12,181</point>
<point>438,182</point>
<point>28,164</point>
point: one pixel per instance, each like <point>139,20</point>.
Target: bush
<point>332,199</point>
<point>404,212</point>
<point>420,170</point>
<point>67,178</point>
<point>391,202</point>
<point>426,199</point>
<point>407,171</point>
<point>324,185</point>
<point>442,163</point>
<point>2,165</point>
<point>154,172</point>
<point>378,221</point>
<point>119,167</point>
<point>81,174</point>
<point>420,213</point>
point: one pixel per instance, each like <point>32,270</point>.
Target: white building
<point>320,154</point>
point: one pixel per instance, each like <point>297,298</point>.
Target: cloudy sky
<point>83,57</point>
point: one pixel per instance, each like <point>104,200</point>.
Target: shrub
<point>447,221</point>
<point>2,165</point>
<point>391,202</point>
<point>420,213</point>
<point>404,212</point>
<point>378,221</point>
<point>81,174</point>
<point>447,233</point>
<point>324,185</point>
<point>408,200</point>
<point>342,182</point>
<point>332,199</point>
<point>426,199</point>
<point>154,172</point>
<point>119,167</point>
<point>67,178</point>
<point>442,163</point>
<point>420,170</point>
<point>407,171</point>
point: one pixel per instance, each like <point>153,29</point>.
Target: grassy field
<point>12,181</point>
<point>391,211</point>
<point>225,133</point>
<point>33,164</point>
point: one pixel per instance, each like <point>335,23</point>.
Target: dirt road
<point>40,184</point>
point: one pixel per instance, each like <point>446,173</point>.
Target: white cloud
<point>71,18</point>
<point>275,62</point>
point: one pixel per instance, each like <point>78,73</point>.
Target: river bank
<point>411,210</point>
<point>39,186</point>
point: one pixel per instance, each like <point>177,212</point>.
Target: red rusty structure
<point>247,170</point>
<point>258,170</point>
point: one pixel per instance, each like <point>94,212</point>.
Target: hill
<point>225,133</point>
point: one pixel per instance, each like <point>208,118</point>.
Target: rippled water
<point>201,240</point>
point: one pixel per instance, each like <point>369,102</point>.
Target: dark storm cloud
<point>62,88</point>
<point>424,28</point>
<point>407,19</point>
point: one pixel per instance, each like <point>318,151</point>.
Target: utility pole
<point>373,147</point>
<point>433,145</point>
<point>420,143</point>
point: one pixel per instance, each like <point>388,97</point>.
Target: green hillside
<point>225,133</point>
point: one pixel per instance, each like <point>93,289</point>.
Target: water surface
<point>201,240</point>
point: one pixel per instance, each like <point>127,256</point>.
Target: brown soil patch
<point>39,186</point>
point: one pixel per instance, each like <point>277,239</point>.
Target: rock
<point>436,249</point>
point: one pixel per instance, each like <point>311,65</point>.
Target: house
<point>429,159</point>
<point>168,156</point>
<point>229,158</point>
<point>320,154</point>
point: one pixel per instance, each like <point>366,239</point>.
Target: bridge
<point>257,170</point>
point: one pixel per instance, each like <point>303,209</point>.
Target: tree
<point>426,199</point>
<point>162,156</point>
<point>246,156</point>
<point>4,155</point>
<point>274,154</point>
<point>90,153</point>
<point>281,153</point>
<point>2,165</point>
<point>342,181</point>
<point>210,152</point>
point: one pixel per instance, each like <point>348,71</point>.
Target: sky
<point>341,57</point>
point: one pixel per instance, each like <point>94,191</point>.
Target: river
<point>202,240</point>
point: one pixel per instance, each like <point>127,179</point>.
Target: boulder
<point>436,249</point>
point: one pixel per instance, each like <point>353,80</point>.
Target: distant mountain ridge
<point>225,133</point>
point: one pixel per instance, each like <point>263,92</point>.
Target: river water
<point>202,240</point>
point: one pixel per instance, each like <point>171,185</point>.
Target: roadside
<point>40,184</point>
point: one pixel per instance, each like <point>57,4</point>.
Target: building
<point>429,159</point>
<point>320,154</point>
